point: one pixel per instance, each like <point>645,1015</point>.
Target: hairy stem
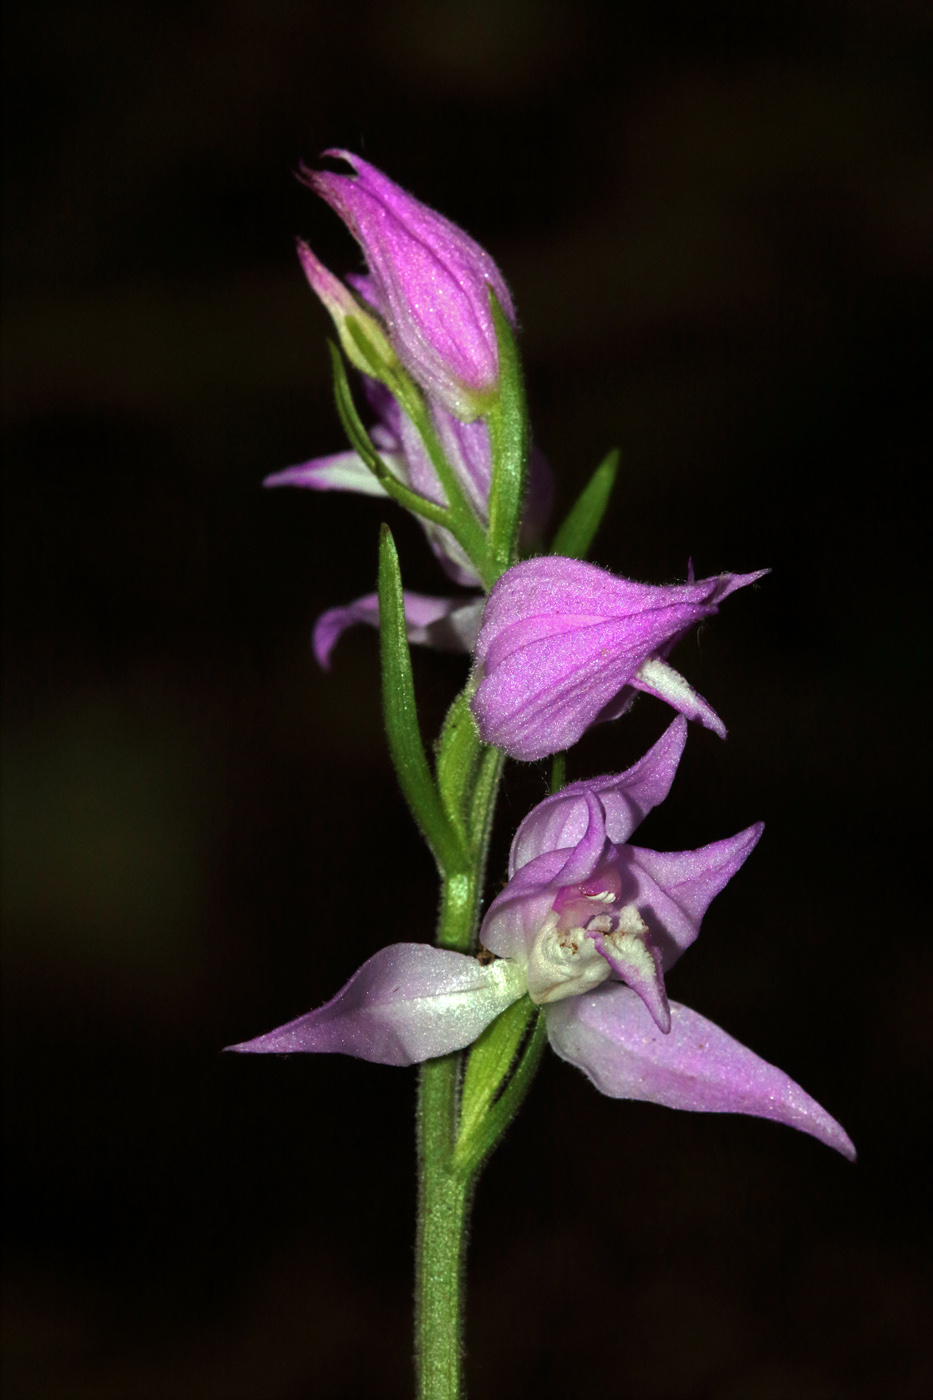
<point>445,1183</point>
<point>443,1210</point>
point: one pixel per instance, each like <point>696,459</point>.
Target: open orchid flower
<point>587,926</point>
<point>430,284</point>
<point>582,906</point>
<point>563,645</point>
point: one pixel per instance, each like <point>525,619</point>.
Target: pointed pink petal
<point>731,583</point>
<point>516,916</point>
<point>540,697</point>
<point>407,1003</point>
<point>446,624</point>
<point>626,799</point>
<point>343,471</point>
<point>610,1036</point>
<point>693,705</point>
<point>639,967</point>
<point>656,677</point>
<point>581,859</point>
<point>674,889</point>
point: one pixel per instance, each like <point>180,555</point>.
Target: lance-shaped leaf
<point>491,1058</point>
<point>362,442</point>
<point>509,440</point>
<point>578,529</point>
<point>500,1071</point>
<point>401,716</point>
<point>458,752</point>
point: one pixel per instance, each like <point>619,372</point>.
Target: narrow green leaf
<point>489,1062</point>
<point>401,717</point>
<point>482,805</point>
<point>578,530</point>
<point>363,444</point>
<point>461,519</point>
<point>509,441</point>
<point>458,752</point>
<point>487,1128</point>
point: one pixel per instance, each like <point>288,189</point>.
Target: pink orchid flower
<point>565,644</point>
<point>587,927</point>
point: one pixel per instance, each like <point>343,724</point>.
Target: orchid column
<point>575,948</point>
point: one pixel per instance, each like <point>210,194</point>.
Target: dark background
<point>716,220</point>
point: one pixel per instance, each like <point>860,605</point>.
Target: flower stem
<point>445,1182</point>
<point>443,1209</point>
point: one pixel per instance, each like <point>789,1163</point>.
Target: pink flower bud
<point>429,281</point>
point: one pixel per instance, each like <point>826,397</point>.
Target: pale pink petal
<point>611,1037</point>
<point>626,799</point>
<point>446,624</point>
<point>673,889</point>
<point>407,1003</point>
<point>343,471</point>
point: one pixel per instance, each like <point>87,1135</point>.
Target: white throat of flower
<point>565,962</point>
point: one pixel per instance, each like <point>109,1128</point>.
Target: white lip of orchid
<point>628,941</point>
<point>630,925</point>
<point>565,962</point>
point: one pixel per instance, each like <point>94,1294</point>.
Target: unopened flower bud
<point>362,338</point>
<point>429,281</point>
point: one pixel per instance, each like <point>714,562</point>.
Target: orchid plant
<point>574,949</point>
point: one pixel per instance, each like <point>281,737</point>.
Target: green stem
<point>443,1210</point>
<point>445,1182</point>
<point>443,1191</point>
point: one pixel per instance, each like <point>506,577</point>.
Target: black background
<point>716,221</point>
